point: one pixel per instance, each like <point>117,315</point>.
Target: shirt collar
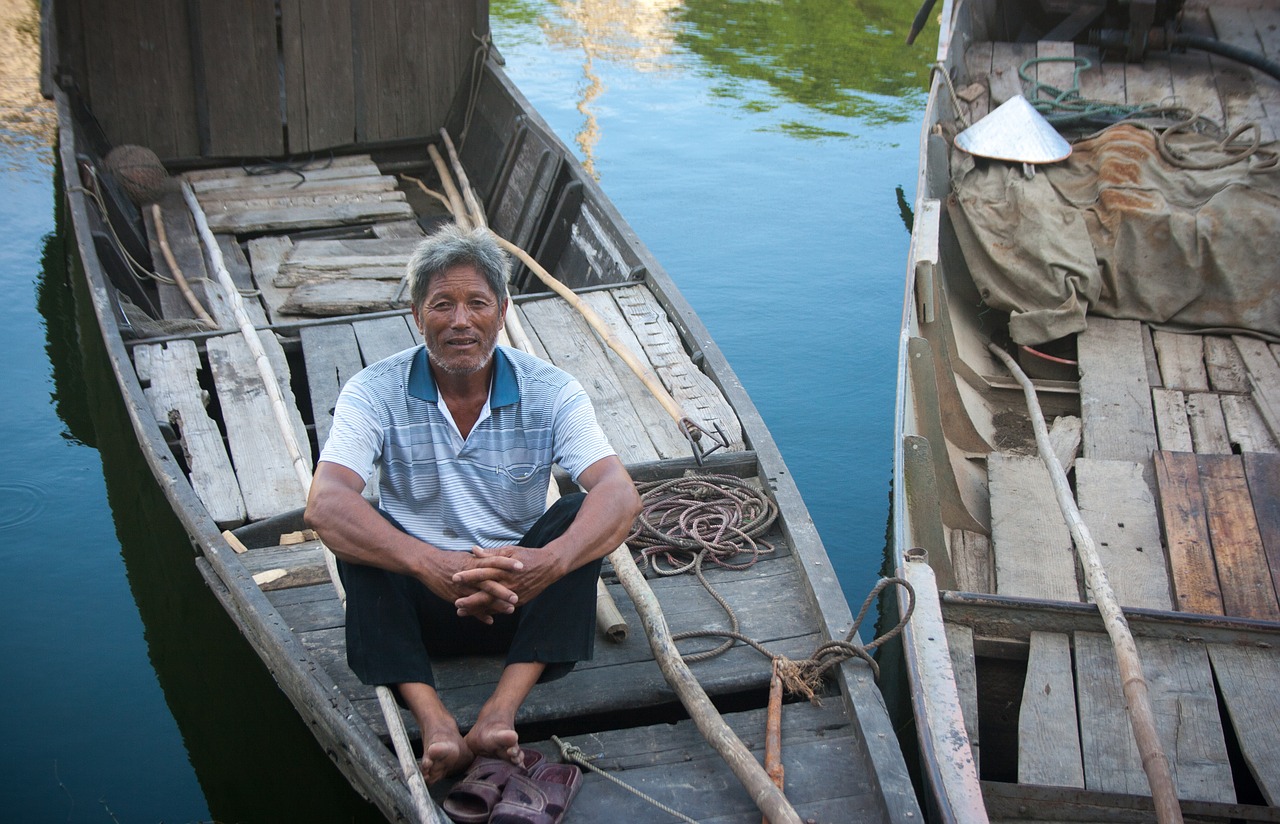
<point>504,390</point>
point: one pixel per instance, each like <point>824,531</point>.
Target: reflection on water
<point>841,58</point>
<point>27,120</point>
<point>838,58</point>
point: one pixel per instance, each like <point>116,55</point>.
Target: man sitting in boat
<point>461,557</point>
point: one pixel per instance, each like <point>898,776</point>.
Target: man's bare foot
<point>446,753</point>
<point>496,738</point>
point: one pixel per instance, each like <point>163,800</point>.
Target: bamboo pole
<point>1154,762</point>
<point>718,734</point>
<point>424,808</point>
<point>180,279</point>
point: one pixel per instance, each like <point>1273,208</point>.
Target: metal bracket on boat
<point>693,433</point>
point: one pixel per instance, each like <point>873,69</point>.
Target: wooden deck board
<point>383,337</point>
<point>1247,590</point>
<point>331,356</point>
<point>673,764</point>
<point>1181,359</point>
<point>1208,426</point>
<point>175,397</point>
<point>262,464</point>
<point>345,296</point>
<point>964,667</point>
<point>1247,678</point>
<point>265,256</point>
<point>1195,576</point>
<point>1115,392</point>
<point>562,333</point>
<point>697,394</point>
<point>1120,510</point>
<point>1173,430</point>
<point>1185,709</point>
<point>1033,550</point>
<point>1246,429</point>
<point>1262,471</point>
<point>1048,737</point>
<point>1226,369</point>
<point>662,428</point>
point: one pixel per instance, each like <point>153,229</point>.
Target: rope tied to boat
<point>687,521</point>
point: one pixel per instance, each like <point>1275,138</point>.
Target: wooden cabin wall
<point>263,78</point>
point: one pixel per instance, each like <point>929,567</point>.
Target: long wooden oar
<point>425,809</point>
<point>1154,762</point>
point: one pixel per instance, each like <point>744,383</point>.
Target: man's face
<point>460,320</point>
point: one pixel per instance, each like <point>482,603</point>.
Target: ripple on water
<point>20,503</point>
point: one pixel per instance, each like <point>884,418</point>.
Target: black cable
<point>1209,44</point>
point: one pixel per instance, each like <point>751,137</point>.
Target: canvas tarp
<point>1118,231</point>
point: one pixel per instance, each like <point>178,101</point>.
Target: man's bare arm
<point>356,532</point>
<point>603,522</point>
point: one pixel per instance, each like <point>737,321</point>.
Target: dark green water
<point>756,147</point>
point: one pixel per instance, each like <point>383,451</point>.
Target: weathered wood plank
<point>1193,85</point>
<point>308,217</point>
<point>331,356</point>
<point>263,466</point>
<point>964,667</point>
<point>1101,82</point>
<point>319,75</point>
<point>1247,590</point>
<point>290,275</point>
<point>661,427</point>
<point>674,764</point>
<point>220,177</point>
<point>1262,471</point>
<point>249,196</point>
<point>1181,359</point>
<point>971,559</point>
<point>346,296</point>
<point>383,337</point>
<point>176,398</point>
<point>1226,369</point>
<point>241,77</point>
<point>1186,711</point>
<point>1247,677</point>
<point>1115,393</point>
<point>287,567</point>
<point>1033,550</point>
<point>1172,427</point>
<point>693,389</point>
<point>1120,510</point>
<point>1264,377</point>
<point>265,256</point>
<point>1208,427</point>
<point>977,61</point>
<point>574,348</point>
<point>241,273</point>
<point>1149,82</point>
<point>1195,576</point>
<point>1235,82</point>
<point>1048,735</point>
<point>1006,58</point>
<point>1245,427</point>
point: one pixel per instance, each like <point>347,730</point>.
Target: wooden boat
<point>348,111</point>
<point>1168,444</point>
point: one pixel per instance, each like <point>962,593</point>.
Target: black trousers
<point>395,624</point>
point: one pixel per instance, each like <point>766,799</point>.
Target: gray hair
<point>451,246</point>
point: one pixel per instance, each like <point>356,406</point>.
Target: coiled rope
<point>686,522</point>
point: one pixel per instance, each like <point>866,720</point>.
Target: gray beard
<point>455,370</point>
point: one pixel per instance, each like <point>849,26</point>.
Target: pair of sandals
<point>495,791</point>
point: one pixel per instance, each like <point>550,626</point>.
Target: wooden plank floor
<point>768,601</point>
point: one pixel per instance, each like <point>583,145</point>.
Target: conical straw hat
<point>1016,132</point>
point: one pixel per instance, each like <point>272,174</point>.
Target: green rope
<point>1065,107</point>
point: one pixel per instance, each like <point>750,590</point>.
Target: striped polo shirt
<point>486,490</point>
